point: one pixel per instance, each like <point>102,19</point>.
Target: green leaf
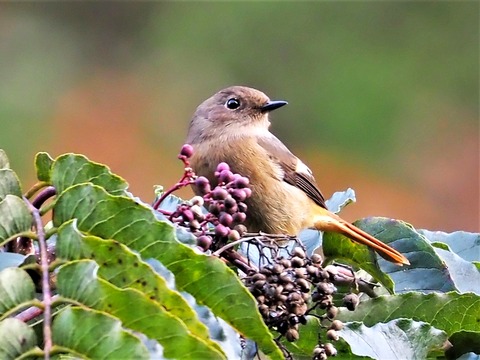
<point>125,269</point>
<point>95,335</point>
<point>14,217</point>
<point>207,278</point>
<point>462,243</point>
<point>4,163</point>
<point>339,247</point>
<point>463,342</point>
<point>464,274</point>
<point>427,271</point>
<point>16,338</point>
<point>397,339</point>
<point>9,184</point>
<point>16,288</point>
<point>43,165</point>
<point>450,312</point>
<point>72,169</point>
<point>78,281</point>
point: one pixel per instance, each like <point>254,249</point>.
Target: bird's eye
<point>232,103</point>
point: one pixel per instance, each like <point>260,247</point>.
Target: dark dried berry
<point>277,269</point>
<point>259,284</point>
<point>302,320</point>
<point>294,297</point>
<point>233,235</point>
<point>326,302</point>
<point>316,296</point>
<point>242,229</point>
<point>332,335</point>
<point>312,270</point>
<point>318,350</point>
<point>316,258</point>
<point>204,241</point>
<point>286,263</point>
<point>297,262</point>
<point>258,276</point>
<point>351,301</point>
<point>330,349</point>
<point>298,309</point>
<point>291,335</point>
<point>264,309</point>
<point>285,277</point>
<point>298,251</point>
<point>336,325</point>
<point>332,312</point>
<point>304,285</point>
<point>187,150</point>
<point>326,288</point>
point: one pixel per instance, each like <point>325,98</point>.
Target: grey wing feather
<point>295,172</point>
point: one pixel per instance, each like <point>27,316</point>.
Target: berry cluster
<point>287,289</point>
<point>225,204</point>
<point>291,287</point>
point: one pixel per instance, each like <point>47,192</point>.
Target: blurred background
<point>383,96</point>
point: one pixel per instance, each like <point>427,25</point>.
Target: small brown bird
<point>232,127</point>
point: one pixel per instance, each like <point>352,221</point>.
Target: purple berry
<point>230,202</point>
<point>239,217</point>
<point>242,207</point>
<point>239,194</point>
<point>219,194</point>
<point>225,219</point>
<point>221,230</point>
<point>187,150</point>
<point>232,210</point>
<point>214,208</point>
<point>225,176</point>
<point>242,182</point>
<point>187,215</point>
<point>202,184</point>
<point>248,191</point>
<point>222,166</point>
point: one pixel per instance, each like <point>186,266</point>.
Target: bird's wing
<point>295,172</point>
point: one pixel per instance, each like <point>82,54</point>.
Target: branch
<point>47,299</point>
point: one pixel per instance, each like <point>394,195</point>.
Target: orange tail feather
<point>328,221</point>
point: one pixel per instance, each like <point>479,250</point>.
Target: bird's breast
<point>275,206</point>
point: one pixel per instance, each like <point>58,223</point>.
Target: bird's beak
<point>272,105</point>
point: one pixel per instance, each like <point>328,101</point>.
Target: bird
<point>232,126</point>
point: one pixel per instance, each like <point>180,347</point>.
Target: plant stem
<point>47,296</point>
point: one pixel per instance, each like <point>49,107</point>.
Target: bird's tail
<point>327,221</point>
